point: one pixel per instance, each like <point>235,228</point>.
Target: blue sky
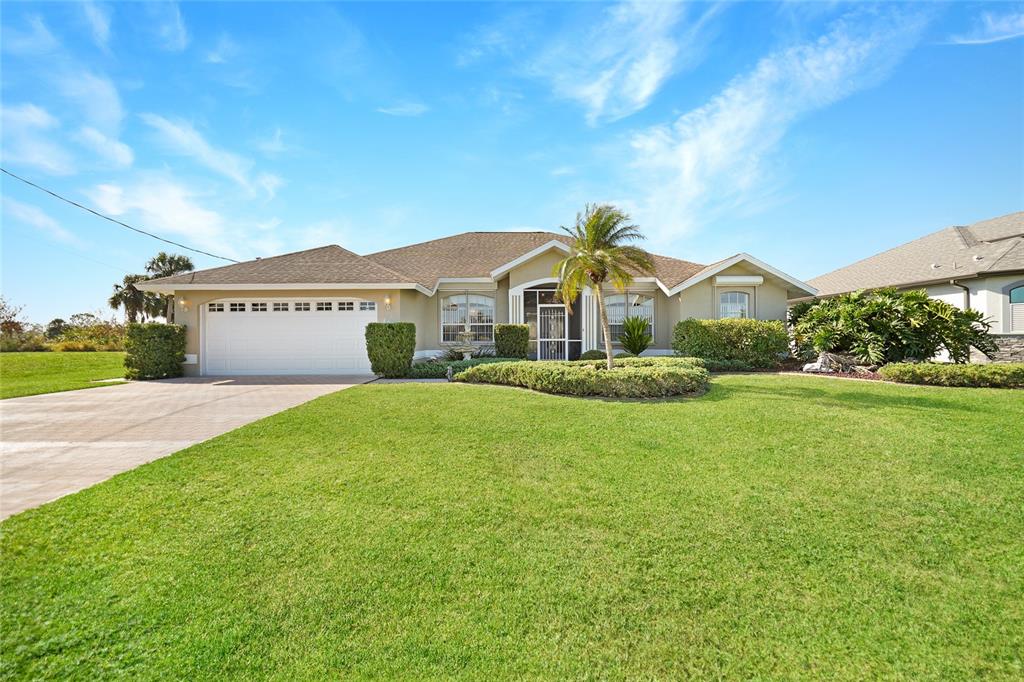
<point>807,134</point>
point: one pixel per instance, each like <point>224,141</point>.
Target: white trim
<point>171,288</point>
<point>729,262</point>
<point>644,280</point>
<point>529,255</point>
<point>739,280</point>
<point>532,283</point>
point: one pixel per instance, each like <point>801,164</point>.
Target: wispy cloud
<point>95,95</point>
<point>407,108</point>
<point>168,25</point>
<point>98,18</point>
<point>993,28</point>
<point>168,207</point>
<point>182,138</point>
<point>113,151</point>
<point>224,51</point>
<point>716,157</point>
<point>274,145</point>
<point>35,218</point>
<point>35,40</point>
<point>28,139</point>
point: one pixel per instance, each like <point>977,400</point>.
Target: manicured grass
<point>33,373</point>
<point>778,527</point>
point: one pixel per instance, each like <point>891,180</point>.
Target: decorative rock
<point>830,363</point>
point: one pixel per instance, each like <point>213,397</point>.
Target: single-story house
<point>979,266</point>
<point>305,312</point>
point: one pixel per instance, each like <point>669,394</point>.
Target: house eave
<point>256,286</point>
<point>738,258</point>
<point>500,271</point>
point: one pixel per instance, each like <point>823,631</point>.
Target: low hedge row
<point>584,379</point>
<point>760,344</point>
<point>652,361</point>
<point>438,369</point>
<point>1010,375</point>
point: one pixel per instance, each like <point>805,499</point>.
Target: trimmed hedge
<point>758,343</point>
<point>438,369</point>
<point>390,346</point>
<point>154,350</point>
<point>584,379</point>
<point>1010,375</point>
<point>599,355</point>
<point>650,361</point>
<point>511,340</point>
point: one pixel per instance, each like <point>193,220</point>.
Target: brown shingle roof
<point>477,254</point>
<point>470,254</point>
<point>323,265</point>
<point>995,245</point>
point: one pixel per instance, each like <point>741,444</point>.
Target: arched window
<point>467,312</point>
<point>733,304</point>
<point>621,306</point>
<point>1017,309</point>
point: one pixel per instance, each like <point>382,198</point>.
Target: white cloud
<point>225,50</point>
<point>96,96</point>
<point>35,41</point>
<point>168,208</point>
<point>992,28</point>
<point>615,66</point>
<point>168,25</point>
<point>407,108</point>
<point>98,18</point>
<point>184,139</point>
<point>114,151</point>
<point>273,145</point>
<point>28,139</point>
<point>563,170</point>
<point>34,217</point>
<point>716,157</point>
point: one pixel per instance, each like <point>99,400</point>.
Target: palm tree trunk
<point>605,327</point>
<point>169,315</point>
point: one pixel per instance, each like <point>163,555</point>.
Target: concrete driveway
<point>55,444</point>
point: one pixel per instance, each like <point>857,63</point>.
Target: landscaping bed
<point>630,378</point>
<point>1008,375</point>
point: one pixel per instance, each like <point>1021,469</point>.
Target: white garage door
<point>287,337</point>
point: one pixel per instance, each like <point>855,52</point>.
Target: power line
<point>114,220</point>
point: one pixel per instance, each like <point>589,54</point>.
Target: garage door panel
<point>327,342</point>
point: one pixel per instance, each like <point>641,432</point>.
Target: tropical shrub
<point>438,369</point>
<point>154,351</point>
<point>1010,375</point>
<point>390,346</point>
<point>586,379</point>
<point>23,341</point>
<point>887,325</point>
<point>511,340</point>
<point>73,346</point>
<point>634,337</point>
<point>756,343</point>
<point>88,332</point>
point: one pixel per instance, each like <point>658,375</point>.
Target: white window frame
<point>280,307</point>
<point>367,306</point>
<point>608,300</point>
<point>324,306</point>
<point>746,304</point>
<point>236,307</point>
<point>302,307</point>
<point>258,307</point>
<point>1016,322</point>
<point>464,312</point>
<point>346,306</point>
<point>215,307</point>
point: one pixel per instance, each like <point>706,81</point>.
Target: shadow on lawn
<point>833,397</point>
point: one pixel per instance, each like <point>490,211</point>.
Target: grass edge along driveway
<point>23,374</point>
<point>777,527</point>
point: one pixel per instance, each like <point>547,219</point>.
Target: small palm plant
<point>127,296</point>
<point>634,337</point>
<point>600,253</point>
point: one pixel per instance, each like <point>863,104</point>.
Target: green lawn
<point>33,373</point>
<point>779,527</point>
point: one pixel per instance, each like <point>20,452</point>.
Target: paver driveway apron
<point>55,444</point>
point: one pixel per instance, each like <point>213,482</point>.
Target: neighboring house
<point>979,266</point>
<point>305,312</point>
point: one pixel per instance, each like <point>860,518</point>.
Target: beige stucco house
<point>305,312</point>
<point>979,266</point>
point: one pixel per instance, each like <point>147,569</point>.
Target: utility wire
<point>114,220</point>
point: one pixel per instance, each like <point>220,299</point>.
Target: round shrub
<point>585,379</point>
<point>592,354</point>
<point>1009,375</point>
<point>758,343</point>
<point>390,346</point>
<point>154,350</point>
<point>438,369</point>
<point>511,340</point>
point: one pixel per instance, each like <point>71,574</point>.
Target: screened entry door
<point>552,332</point>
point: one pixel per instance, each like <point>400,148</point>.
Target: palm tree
<point>600,254</point>
<point>165,265</point>
<point>133,300</point>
